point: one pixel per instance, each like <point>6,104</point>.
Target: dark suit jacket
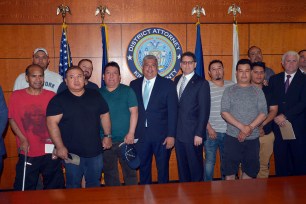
<point>161,112</point>
<point>293,103</point>
<point>193,109</point>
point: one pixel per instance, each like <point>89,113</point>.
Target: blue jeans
<point>211,147</point>
<point>90,167</point>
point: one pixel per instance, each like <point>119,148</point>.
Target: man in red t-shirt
<point>27,117</point>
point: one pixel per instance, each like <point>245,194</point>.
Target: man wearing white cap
<point>52,79</point>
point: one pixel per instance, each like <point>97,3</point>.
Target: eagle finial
<point>102,10</point>
<point>198,10</point>
<point>234,9</point>
<point>63,10</point>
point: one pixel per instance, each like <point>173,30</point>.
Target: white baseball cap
<point>40,49</point>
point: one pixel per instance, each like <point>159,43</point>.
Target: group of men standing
<point>85,128</point>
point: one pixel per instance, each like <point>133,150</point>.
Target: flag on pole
<point>199,53</point>
<point>65,60</point>
<point>104,50</point>
<point>235,51</point>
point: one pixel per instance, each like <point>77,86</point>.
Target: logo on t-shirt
<point>160,43</point>
<point>49,84</point>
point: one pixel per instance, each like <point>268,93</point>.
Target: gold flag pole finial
<point>102,10</point>
<point>234,9</point>
<point>198,10</point>
<point>63,10</point>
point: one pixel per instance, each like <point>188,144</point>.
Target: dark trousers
<point>110,168</point>
<point>289,155</point>
<point>145,151</point>
<point>189,161</point>
<point>51,171</point>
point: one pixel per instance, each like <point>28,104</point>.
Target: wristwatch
<point>108,135</point>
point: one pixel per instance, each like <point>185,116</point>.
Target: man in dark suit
<point>193,113</point>
<point>157,118</point>
<point>289,88</point>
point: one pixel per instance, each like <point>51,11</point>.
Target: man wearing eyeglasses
<point>193,113</point>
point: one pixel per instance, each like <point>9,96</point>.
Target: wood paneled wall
<point>275,26</point>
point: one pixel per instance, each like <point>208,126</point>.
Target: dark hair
<point>258,64</point>
<point>189,54</point>
<point>252,48</point>
<point>71,68</point>
<point>112,64</point>
<point>30,66</point>
<point>243,61</point>
<point>301,51</point>
<point>213,62</point>
<point>84,60</point>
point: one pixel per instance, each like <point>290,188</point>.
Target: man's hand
<point>24,145</point>
<point>261,131</point>
<point>280,120</point>
<point>54,154</point>
<point>169,142</point>
<point>211,133</point>
<point>129,138</point>
<point>197,140</point>
<point>62,152</point>
<point>246,130</point>
<point>106,143</point>
<point>241,136</point>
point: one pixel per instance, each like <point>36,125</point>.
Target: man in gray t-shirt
<point>244,108</point>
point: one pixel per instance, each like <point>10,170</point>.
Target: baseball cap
<point>129,155</point>
<point>40,49</point>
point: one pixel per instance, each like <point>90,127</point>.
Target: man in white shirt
<point>52,79</point>
<point>289,89</point>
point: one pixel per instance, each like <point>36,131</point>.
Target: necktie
<point>146,93</point>
<point>287,83</point>
<point>182,87</point>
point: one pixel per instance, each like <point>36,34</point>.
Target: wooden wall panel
<point>19,41</point>
<point>8,174</point>
<point>139,11</point>
<point>217,39</point>
<point>278,38</point>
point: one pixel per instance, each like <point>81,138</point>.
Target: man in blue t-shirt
<point>123,108</point>
<point>74,118</point>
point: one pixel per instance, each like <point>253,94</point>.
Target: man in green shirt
<point>123,108</point>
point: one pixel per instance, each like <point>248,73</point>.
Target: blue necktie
<point>146,94</point>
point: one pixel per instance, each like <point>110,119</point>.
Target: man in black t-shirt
<point>74,117</point>
<point>266,137</point>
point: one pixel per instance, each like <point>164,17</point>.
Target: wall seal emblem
<point>159,42</point>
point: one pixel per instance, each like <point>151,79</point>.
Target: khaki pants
<point>265,152</point>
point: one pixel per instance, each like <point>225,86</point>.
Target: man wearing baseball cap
<point>52,79</point>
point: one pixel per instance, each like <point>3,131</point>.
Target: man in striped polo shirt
<point>216,127</point>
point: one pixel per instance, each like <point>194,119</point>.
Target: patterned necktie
<point>146,93</point>
<point>182,87</point>
<point>287,83</point>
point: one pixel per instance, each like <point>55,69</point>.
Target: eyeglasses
<point>187,62</point>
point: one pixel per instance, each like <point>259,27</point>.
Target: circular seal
<point>159,42</point>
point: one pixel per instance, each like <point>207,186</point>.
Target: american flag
<point>65,60</point>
